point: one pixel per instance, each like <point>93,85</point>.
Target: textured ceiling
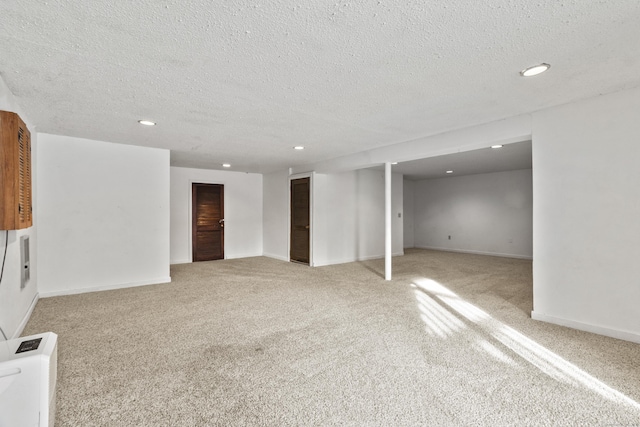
<point>244,81</point>
<point>510,157</point>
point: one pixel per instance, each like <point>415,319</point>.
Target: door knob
<point>221,222</point>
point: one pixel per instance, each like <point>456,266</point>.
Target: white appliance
<point>28,373</point>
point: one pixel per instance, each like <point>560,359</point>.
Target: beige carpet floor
<point>260,342</point>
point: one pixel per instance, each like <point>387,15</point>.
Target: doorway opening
<point>478,201</point>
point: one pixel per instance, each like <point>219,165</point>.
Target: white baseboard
<point>363,258</point>
<point>286,259</point>
<point>26,317</point>
<point>600,330</point>
<point>238,256</point>
<point>104,288</point>
<point>463,251</point>
<point>368,258</point>
<point>333,262</point>
<point>234,256</point>
<point>278,257</point>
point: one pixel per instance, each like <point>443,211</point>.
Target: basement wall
<point>275,187</point>
<point>408,202</point>
<point>242,212</point>
<point>103,215</point>
<point>586,189</point>
<point>16,304</point>
<point>490,214</point>
<point>348,216</point>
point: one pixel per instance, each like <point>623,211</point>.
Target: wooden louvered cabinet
<point>15,173</point>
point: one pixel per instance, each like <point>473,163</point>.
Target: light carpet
<point>261,342</point>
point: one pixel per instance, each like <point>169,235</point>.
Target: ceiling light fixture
<point>226,165</point>
<point>298,147</point>
<point>147,122</point>
<point>449,171</point>
<point>535,70</point>
<point>496,146</point>
<point>394,163</point>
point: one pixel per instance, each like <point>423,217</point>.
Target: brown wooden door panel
<point>300,220</point>
<point>300,246</point>
<point>209,246</point>
<point>208,222</point>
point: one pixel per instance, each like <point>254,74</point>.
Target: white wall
<point>408,207</point>
<point>242,212</point>
<point>348,216</point>
<point>486,213</point>
<point>334,224</point>
<point>275,190</point>
<point>103,215</point>
<point>586,183</point>
<point>16,304</point>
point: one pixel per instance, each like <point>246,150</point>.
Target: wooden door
<point>299,248</point>
<point>207,221</point>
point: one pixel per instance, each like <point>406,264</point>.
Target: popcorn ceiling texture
<point>244,81</point>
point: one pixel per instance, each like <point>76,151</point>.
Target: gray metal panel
<point>25,271</point>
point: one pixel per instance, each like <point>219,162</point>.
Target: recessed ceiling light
<point>226,165</point>
<point>147,122</point>
<point>298,147</point>
<point>535,70</point>
<point>496,146</point>
<point>394,163</point>
<point>449,171</point>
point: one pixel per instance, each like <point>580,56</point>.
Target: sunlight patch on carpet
<point>437,302</point>
<point>439,321</point>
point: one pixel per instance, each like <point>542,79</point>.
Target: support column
<point>387,221</point>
